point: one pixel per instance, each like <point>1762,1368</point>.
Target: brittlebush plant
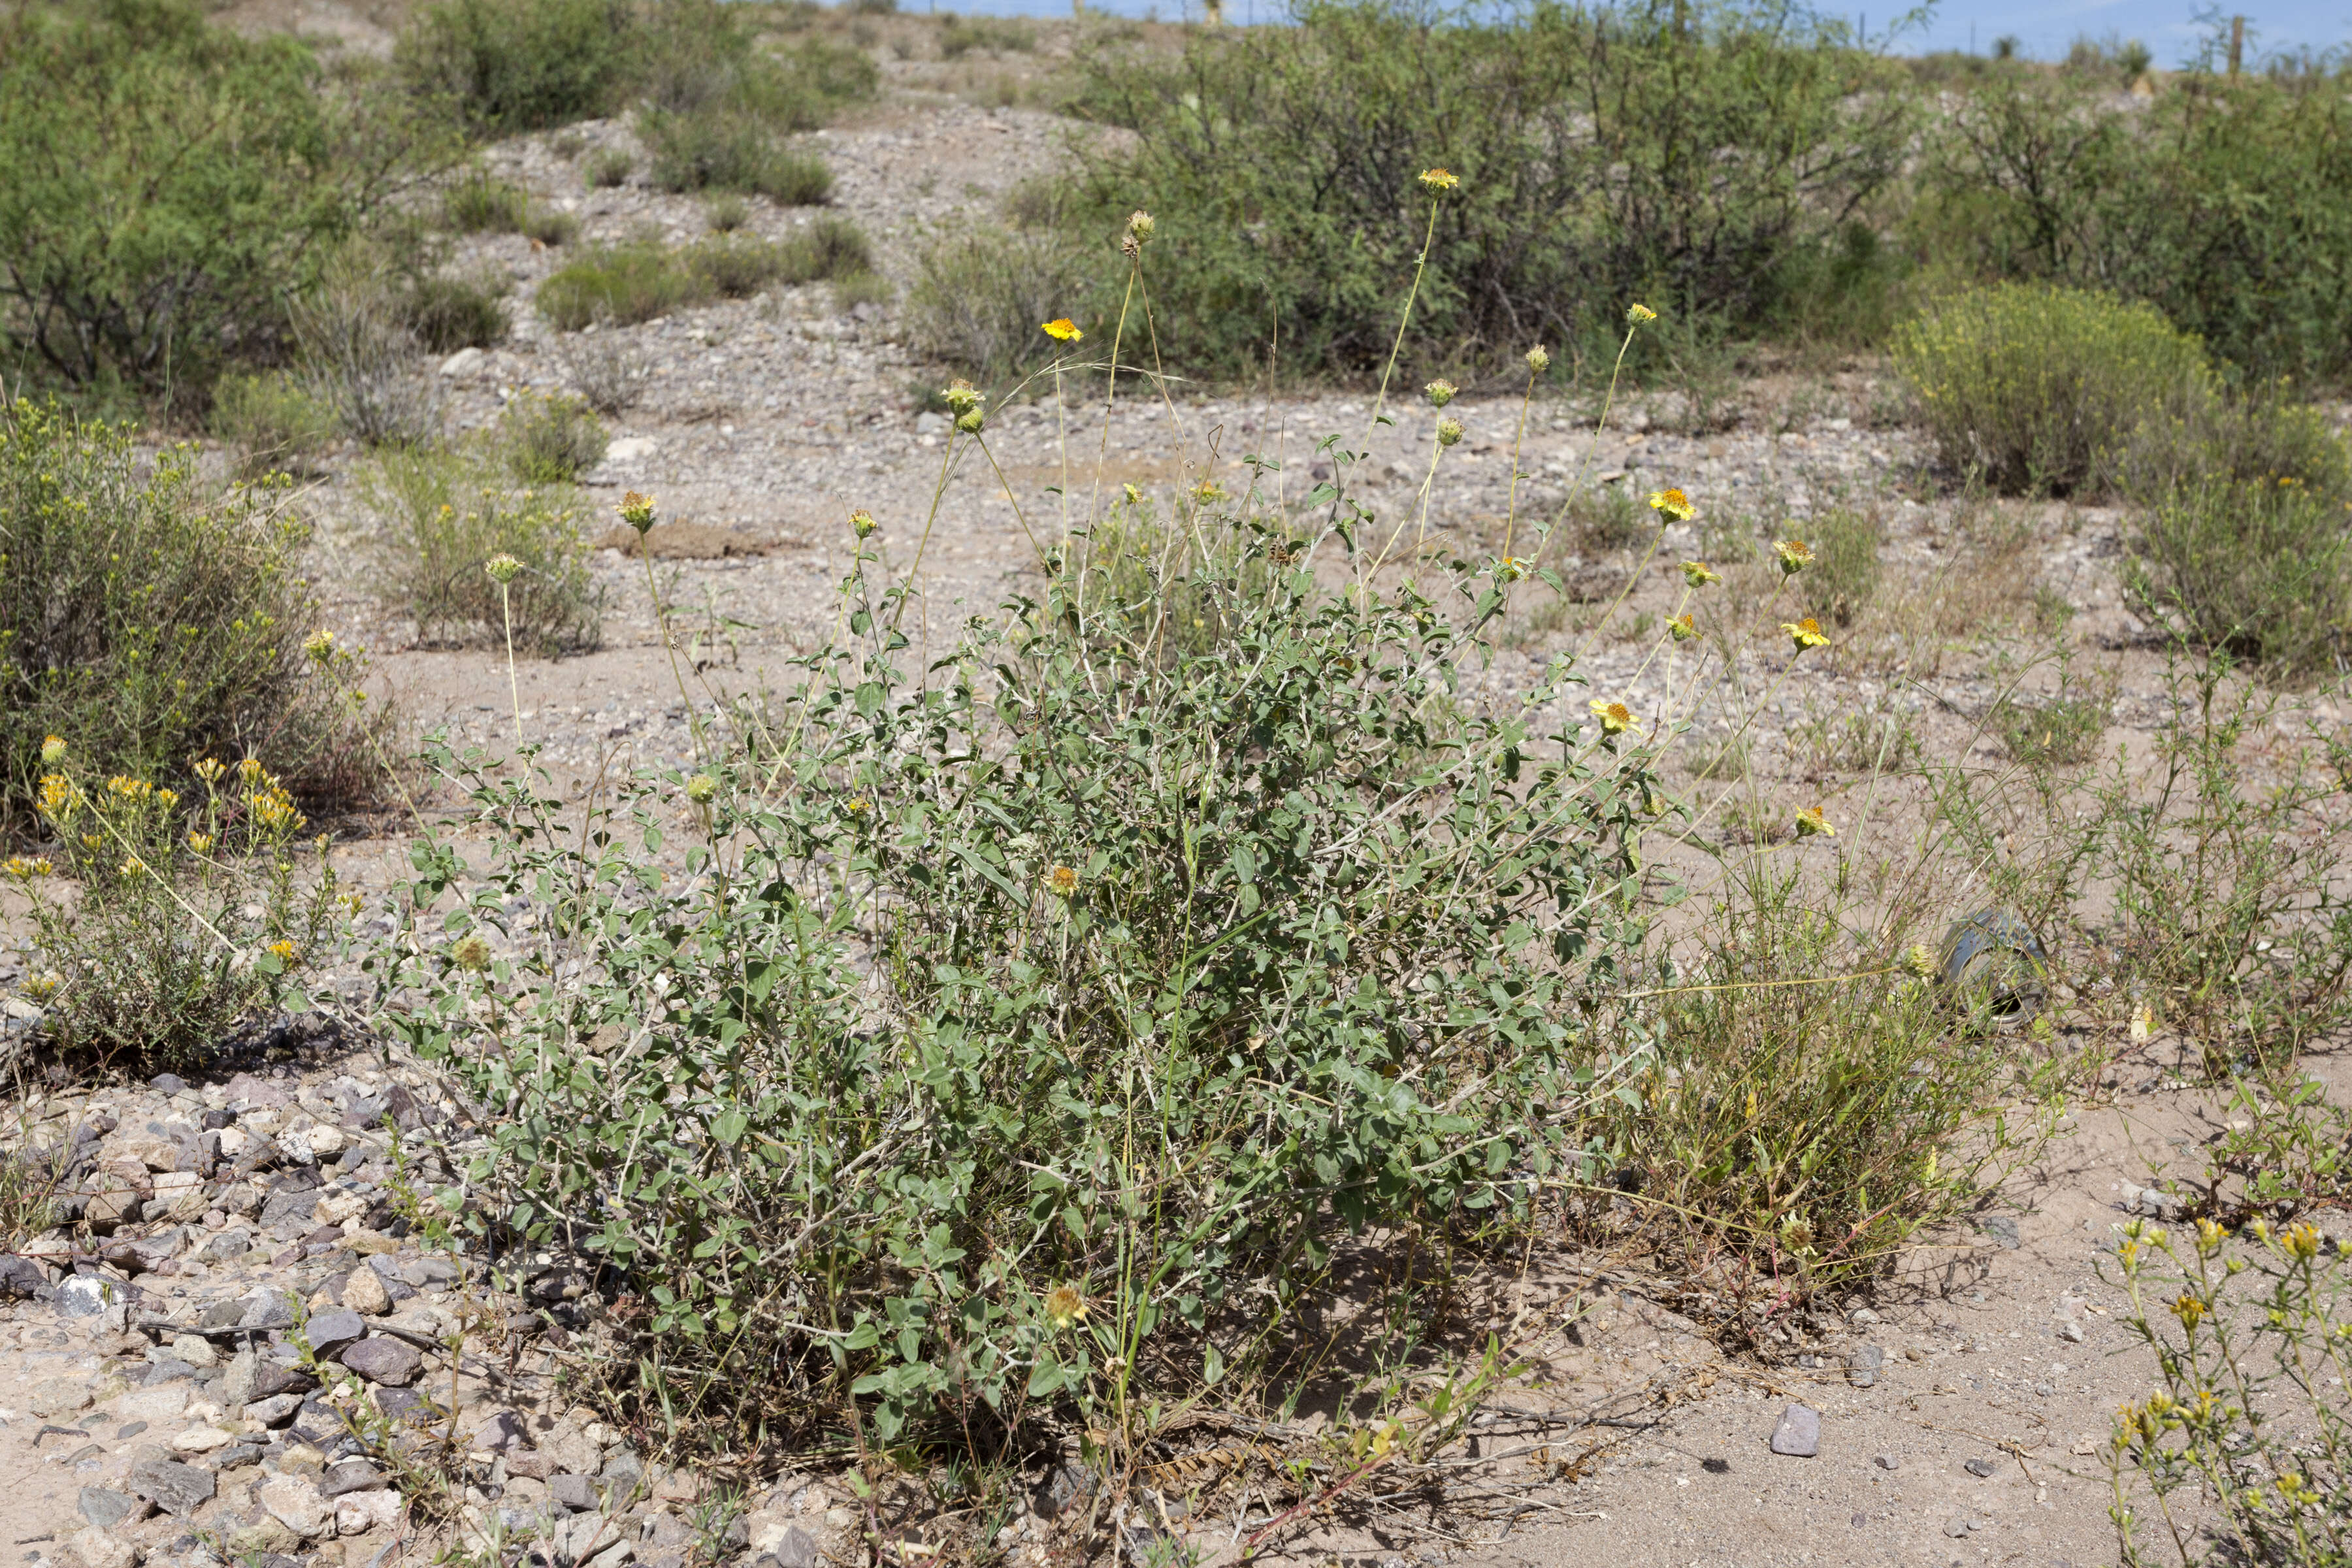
<point>162,923</point>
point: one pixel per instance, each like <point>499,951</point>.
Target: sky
<point>2043,28</point>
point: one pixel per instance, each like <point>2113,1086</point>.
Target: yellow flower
<point>1435,180</point>
<point>1805,634</point>
<point>200,843</point>
<point>53,750</point>
<point>636,510</point>
<point>1698,573</point>
<point>471,952</point>
<point>960,395</point>
<point>1066,1308</point>
<point>1616,717</point>
<point>1672,503</point>
<point>862,524</point>
<point>1795,556</point>
<point>2188,1308</point>
<point>1140,226</point>
<point>282,950</point>
<point>1511,568</point>
<point>167,798</point>
<point>57,794</point>
<point>855,804</point>
<point>123,786</point>
<point>503,569</point>
<point>25,870</point>
<point>250,771</point>
<point>1919,961</point>
<point>701,788</point>
<point>1062,329</point>
<point>2302,1243</point>
<point>1810,821</point>
<point>90,841</point>
<point>208,769</point>
<point>1638,314</point>
<point>1683,627</point>
<point>133,867</point>
<point>1449,431</point>
<point>320,645</point>
<point>1440,392</point>
<point>1062,882</point>
<point>1134,496</point>
<point>1208,492</point>
<point>1539,361</point>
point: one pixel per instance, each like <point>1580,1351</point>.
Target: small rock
<point>797,1548</point>
<point>356,1514</point>
<point>168,1083</point>
<point>1863,1316</point>
<point>173,1487</point>
<point>109,1509</point>
<point>2071,1332</point>
<point>1889,1462</point>
<point>928,423</point>
<point>21,1276</point>
<point>381,1359</point>
<point>275,1411</point>
<point>297,1503</point>
<point>1979,1467</point>
<point>2003,1230</point>
<point>201,1440</point>
<point>1957,1526</point>
<point>501,1434</point>
<point>325,1140</point>
<point>332,1330</point>
<point>630,449</point>
<point>464,363</point>
<point>195,1350</point>
<point>364,1293</point>
<point>84,1296</point>
<point>271,1311</point>
<point>1799,1434</point>
<point>577,1493</point>
<point>96,1548</point>
<point>1862,1366</point>
<point>351,1476</point>
<point>54,1396</point>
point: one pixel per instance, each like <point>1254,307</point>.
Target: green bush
<point>273,421</point>
<point>979,293</point>
<point>1707,158</point>
<point>1843,577</point>
<point>726,213</point>
<point>449,313</point>
<point>444,514</point>
<point>360,356</point>
<point>479,204</point>
<point>2035,179</point>
<point>851,290</point>
<point>718,106</point>
<point>960,35</point>
<point>733,267</point>
<point>506,65</point>
<point>2037,390</point>
<point>549,440</point>
<point>145,620</point>
<point>550,227</point>
<point>626,284</point>
<point>610,167</point>
<point>623,284</point>
<point>170,184</point>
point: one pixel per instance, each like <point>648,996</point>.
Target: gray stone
<point>1889,1462</point>
<point>226,1312</point>
<point>1957,1526</point>
<point>332,1329</point>
<point>2071,1332</point>
<point>252,1376</point>
<point>267,1312</point>
<point>1979,1468</point>
<point>2003,1230</point>
<point>1799,1434</point>
<point>111,1510</point>
<point>58,1396</point>
<point>621,1475</point>
<point>85,1296</point>
<point>365,1292</point>
<point>297,1503</point>
<point>503,1431</point>
<point>1862,1366</point>
<point>381,1359</point>
<point>170,1486</point>
<point>236,1457</point>
<point>288,1208</point>
<point>464,363</point>
<point>797,1548</point>
<point>425,1271</point>
<point>21,1276</point>
<point>166,1371</point>
<point>577,1493</point>
<point>351,1476</point>
<point>275,1411</point>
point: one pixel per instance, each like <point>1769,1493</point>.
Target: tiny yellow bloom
<point>960,395</point>
<point>53,750</point>
<point>1920,960</point>
<point>1511,568</point>
<point>208,769</point>
<point>282,950</point>
<point>1539,361</point>
<point>1638,314</point>
<point>1683,626</point>
<point>2188,1308</point>
<point>133,867</point>
<point>471,954</point>
<point>1062,881</point>
<point>1062,329</point>
<point>1435,180</point>
<point>1134,495</point>
<point>1066,1307</point>
<point>1440,392</point>
<point>862,524</point>
<point>701,788</point>
<point>636,510</point>
<point>25,870</point>
<point>1672,503</point>
<point>1810,821</point>
<point>1805,634</point>
<point>200,843</point>
<point>1616,717</point>
<point>1208,492</point>
<point>1795,556</point>
<point>320,645</point>
<point>856,804</point>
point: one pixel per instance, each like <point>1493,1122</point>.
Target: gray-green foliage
<point>1080,959</point>
<point>444,513</point>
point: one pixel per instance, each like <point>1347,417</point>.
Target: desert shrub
<point>1843,576</point>
<point>506,65</point>
<point>188,916</point>
<point>444,513</point>
<point>2065,729</point>
<point>606,370</point>
<point>851,290</point>
<point>733,267</point>
<point>479,203</point>
<point>828,248</point>
<point>610,167</point>
<point>169,184</point>
<point>979,293</point>
<point>2033,389</point>
<point>360,359</point>
<point>145,620</point>
<point>549,440</point>
<point>1606,154</point>
<point>1090,1013</point>
<point>550,226</point>
<point>450,312</point>
<point>2031,179</point>
<point>623,284</point>
<point>726,213</point>
<point>718,106</point>
<point>960,35</point>
<point>273,421</point>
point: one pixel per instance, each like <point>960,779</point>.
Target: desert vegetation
<point>1179,991</point>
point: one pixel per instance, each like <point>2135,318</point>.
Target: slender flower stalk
<point>502,569</point>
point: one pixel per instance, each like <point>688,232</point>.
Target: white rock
<point>630,449</point>
<point>96,1548</point>
<point>295,1503</point>
<point>356,1514</point>
<point>235,1141</point>
<point>195,1350</point>
<point>364,1293</point>
<point>153,1405</point>
<point>325,1141</point>
<point>465,361</point>
<point>337,1208</point>
<point>201,1440</point>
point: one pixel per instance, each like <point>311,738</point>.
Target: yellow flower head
<point>1134,494</point>
<point>123,787</point>
<point>1683,626</point>
<point>1795,556</point>
<point>1539,361</point>
<point>1436,180</point>
<point>1616,717</point>
<point>2188,1308</point>
<point>1140,226</point>
<point>133,867</point>
<point>503,569</point>
<point>208,769</point>
<point>862,524</point>
<point>856,804</point>
<point>960,395</point>
<point>701,788</point>
<point>1208,492</point>
<point>1638,314</point>
<point>56,796</point>
<point>200,843</point>
<point>1810,821</point>
<point>638,510</point>
<point>250,771</point>
<point>53,750</point>
<point>167,798</point>
<point>320,645</point>
<point>2302,1243</point>
<point>1066,1308</point>
<point>1672,503</point>
<point>1062,882</point>
<point>1449,432</point>
<point>1511,568</point>
<point>1805,634</point>
<point>25,870</point>
<point>1440,392</point>
<point>1062,329</point>
<point>471,954</point>
<point>90,841</point>
<point>1920,960</point>
<point>282,950</point>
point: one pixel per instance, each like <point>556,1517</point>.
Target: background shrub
<point>626,284</point>
<point>718,105</point>
<point>505,66</point>
<point>481,204</point>
<point>448,313</point>
<point>610,167</point>
<point>443,514</point>
<point>1843,575</point>
<point>549,438</point>
<point>273,421</point>
<point>170,184</point>
<point>979,293</point>
<point>2033,389</point>
<point>360,360</point>
<point>146,620</point>
<point>623,284</point>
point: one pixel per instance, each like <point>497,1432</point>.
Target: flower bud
<point>638,510</point>
<point>1449,431</point>
<point>862,524</point>
<point>502,569</point>
<point>53,750</point>
<point>1539,361</point>
<point>701,788</point>
<point>971,420</point>
<point>1440,392</point>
